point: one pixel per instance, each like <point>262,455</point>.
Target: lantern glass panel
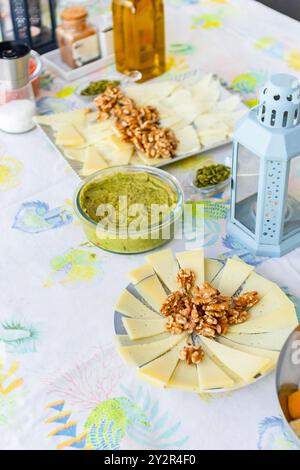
<point>246,187</point>
<point>292,212</point>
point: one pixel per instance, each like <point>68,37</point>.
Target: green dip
<point>138,188</point>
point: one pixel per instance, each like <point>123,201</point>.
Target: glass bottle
<point>77,39</point>
<point>139,37</point>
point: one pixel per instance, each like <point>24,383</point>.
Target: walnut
<point>247,300</point>
<point>185,278</point>
<point>191,354</point>
<point>176,302</point>
<point>237,316</point>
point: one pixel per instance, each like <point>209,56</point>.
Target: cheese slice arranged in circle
<point>271,355</point>
<point>273,340</point>
<point>77,117</point>
<point>278,319</point>
<point>257,283</point>
<point>185,377</point>
<point>273,300</point>
<point>211,376</point>
<point>243,364</point>
<point>211,268</point>
<point>148,285</point>
<point>124,340</point>
<point>140,328</point>
<point>165,266</point>
<point>143,353</point>
<point>233,275</point>
<point>160,370</point>
<point>129,305</point>
<point>193,260</point>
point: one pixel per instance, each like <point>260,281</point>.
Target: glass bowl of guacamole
<point>129,209</point>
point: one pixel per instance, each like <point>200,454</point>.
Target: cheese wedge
<point>233,276</point>
<point>139,328</point>
<point>273,340</point>
<point>211,376</point>
<point>211,268</point>
<point>257,283</point>
<point>271,355</point>
<point>144,93</point>
<point>193,260</point>
<point>115,150</point>
<point>68,136</point>
<point>185,377</point>
<point>188,140</point>
<point>273,300</point>
<point>160,370</point>
<point>278,319</point>
<point>77,154</point>
<point>245,365</point>
<point>124,340</point>
<point>141,353</point>
<point>147,284</point>
<point>129,305</point>
<point>165,266</point>
<point>93,161</point>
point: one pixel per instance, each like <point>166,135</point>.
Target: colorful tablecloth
<point>62,384</point>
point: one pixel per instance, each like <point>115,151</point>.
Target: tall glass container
<point>139,37</point>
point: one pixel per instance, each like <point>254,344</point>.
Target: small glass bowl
<point>288,377</point>
<point>209,191</point>
<point>118,240</point>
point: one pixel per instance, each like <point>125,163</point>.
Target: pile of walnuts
<point>204,310</point>
<point>138,125</point>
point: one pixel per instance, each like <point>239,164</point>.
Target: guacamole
<point>139,188</point>
<point>129,225</point>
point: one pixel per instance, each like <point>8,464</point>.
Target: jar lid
<point>73,13</point>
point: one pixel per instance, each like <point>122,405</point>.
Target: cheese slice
<point>129,305</point>
<point>193,260</point>
<point>124,340</point>
<point>211,268</point>
<point>188,141</point>
<point>257,283</point>
<point>271,355</point>
<point>93,161</point>
<point>165,266</point>
<point>185,377</point>
<point>211,376</point>
<point>115,150</point>
<point>273,340</point>
<point>141,353</point>
<point>233,276</point>
<point>278,319</point>
<point>140,328</point>
<point>76,117</point>
<point>160,370</point>
<point>273,300</point>
<point>77,154</point>
<point>68,136</point>
<point>149,287</point>
<point>245,365</point>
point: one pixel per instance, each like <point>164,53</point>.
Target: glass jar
<point>139,37</point>
<point>77,39</point>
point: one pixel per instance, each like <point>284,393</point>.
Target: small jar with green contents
<point>211,179</point>
<point>119,208</point>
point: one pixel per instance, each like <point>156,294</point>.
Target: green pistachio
<point>211,175</point>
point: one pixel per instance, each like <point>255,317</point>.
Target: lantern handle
<point>39,64</point>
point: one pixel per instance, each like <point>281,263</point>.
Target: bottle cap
<point>74,13</point>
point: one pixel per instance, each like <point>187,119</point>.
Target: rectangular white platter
<point>189,77</point>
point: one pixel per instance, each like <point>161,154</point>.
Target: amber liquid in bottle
<point>139,37</point>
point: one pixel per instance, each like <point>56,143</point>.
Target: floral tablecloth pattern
<point>62,384</point>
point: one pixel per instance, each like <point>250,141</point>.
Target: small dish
<point>288,378</point>
<point>117,239</point>
<point>209,191</point>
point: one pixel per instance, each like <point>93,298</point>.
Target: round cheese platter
<point>240,353</point>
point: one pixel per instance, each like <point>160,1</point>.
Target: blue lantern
<point>265,196</point>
